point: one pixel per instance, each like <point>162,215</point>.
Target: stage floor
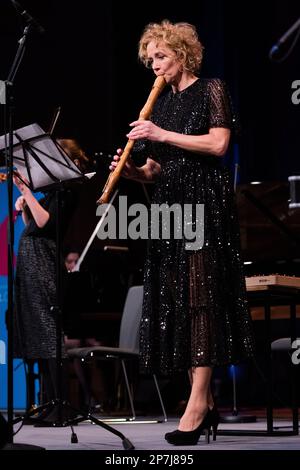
<point>147,437</point>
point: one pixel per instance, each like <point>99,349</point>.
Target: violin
<point>4,176</point>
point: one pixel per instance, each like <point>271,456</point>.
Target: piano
<point>270,231</point>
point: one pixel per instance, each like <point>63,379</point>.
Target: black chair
<point>287,346</point>
<point>128,348</point>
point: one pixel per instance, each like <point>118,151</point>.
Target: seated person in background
<point>71,259</point>
<point>90,397</point>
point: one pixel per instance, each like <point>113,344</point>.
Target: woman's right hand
<point>20,203</point>
<point>129,170</point>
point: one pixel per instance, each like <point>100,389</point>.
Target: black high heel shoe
<point>181,438</point>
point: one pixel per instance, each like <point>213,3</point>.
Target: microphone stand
<point>235,416</point>
<point>274,51</point>
<point>9,120</point>
<point>58,403</point>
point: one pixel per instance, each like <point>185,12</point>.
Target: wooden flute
<point>145,113</point>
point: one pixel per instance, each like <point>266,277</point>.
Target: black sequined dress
<point>35,282</point>
<point>195,310</point>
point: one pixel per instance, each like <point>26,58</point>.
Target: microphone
<point>275,49</point>
<point>28,18</point>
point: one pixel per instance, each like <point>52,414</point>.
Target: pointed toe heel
<point>181,438</point>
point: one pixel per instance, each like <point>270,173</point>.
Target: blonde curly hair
<point>182,38</point>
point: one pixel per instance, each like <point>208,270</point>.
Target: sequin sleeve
<point>220,106</point>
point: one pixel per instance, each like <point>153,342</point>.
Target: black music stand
<point>47,166</point>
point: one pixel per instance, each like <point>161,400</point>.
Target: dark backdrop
<point>86,62</point>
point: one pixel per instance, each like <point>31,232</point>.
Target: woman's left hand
<point>143,129</point>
